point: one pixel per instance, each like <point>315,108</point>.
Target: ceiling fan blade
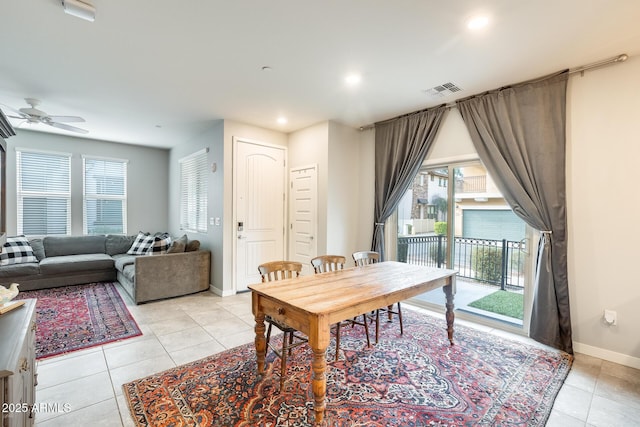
<point>67,119</point>
<point>13,110</point>
<point>66,127</point>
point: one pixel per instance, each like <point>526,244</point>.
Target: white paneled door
<point>259,194</point>
<point>303,216</point>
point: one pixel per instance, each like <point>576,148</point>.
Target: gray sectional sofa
<point>71,260</point>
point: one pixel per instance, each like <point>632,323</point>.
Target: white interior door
<point>303,216</point>
<point>260,199</point>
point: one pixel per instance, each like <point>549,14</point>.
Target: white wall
<point>453,143</point>
<point>310,146</point>
<point>365,199</point>
<point>603,210</point>
<point>343,210</point>
<point>345,159</point>
<point>147,178</point>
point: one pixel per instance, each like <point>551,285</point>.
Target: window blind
<point>193,192</point>
<point>105,196</point>
<point>43,193</point>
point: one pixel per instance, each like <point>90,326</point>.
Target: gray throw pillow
<point>178,245</point>
<point>38,248</point>
<point>117,243</point>
<point>193,245</point>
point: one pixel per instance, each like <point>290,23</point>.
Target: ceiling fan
<point>33,115</point>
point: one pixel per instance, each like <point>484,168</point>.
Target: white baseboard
<point>611,356</point>
<point>221,293</point>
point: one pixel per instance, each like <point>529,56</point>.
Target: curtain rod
<point>613,60</point>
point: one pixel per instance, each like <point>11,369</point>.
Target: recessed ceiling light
<point>352,79</point>
<point>282,120</point>
<point>478,22</point>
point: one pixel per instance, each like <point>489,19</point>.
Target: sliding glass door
<point>453,216</point>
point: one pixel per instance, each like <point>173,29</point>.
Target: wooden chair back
<point>279,270</point>
<point>325,263</point>
<point>365,258</point>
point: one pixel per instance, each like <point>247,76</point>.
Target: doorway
<point>259,208</point>
<point>454,216</point>
<point>303,216</point>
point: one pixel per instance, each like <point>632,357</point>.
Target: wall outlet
<point>611,317</point>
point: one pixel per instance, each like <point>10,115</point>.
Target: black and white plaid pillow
<point>17,250</point>
<point>161,244</point>
<point>141,245</point>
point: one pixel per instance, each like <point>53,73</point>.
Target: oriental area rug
<point>414,379</point>
<point>76,317</point>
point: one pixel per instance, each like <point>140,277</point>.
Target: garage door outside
<point>493,224</point>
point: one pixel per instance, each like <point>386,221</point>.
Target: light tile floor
<point>85,387</point>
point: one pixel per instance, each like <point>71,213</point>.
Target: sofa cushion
<point>178,245</point>
<point>73,245</point>
<point>118,244</point>
<point>161,244</point>
<point>17,250</point>
<point>38,248</point>
<point>19,270</point>
<point>193,245</point>
<point>129,271</point>
<point>75,263</point>
<point>121,261</point>
<point>141,245</point>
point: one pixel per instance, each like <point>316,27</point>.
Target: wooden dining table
<point>311,304</point>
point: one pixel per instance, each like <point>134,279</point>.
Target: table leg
<point>261,341</point>
<point>448,291</point>
<point>319,382</point>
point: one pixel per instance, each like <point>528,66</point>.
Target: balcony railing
<point>496,262</point>
<point>472,184</point>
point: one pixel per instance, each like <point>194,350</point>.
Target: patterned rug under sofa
<point>416,379</point>
<point>76,317</point>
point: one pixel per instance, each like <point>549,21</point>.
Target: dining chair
<point>273,271</point>
<point>363,258</point>
<point>326,263</point>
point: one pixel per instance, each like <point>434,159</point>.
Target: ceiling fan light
<point>79,9</point>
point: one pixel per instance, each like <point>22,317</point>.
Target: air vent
<point>443,90</point>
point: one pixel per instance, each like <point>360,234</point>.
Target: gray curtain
<point>401,146</point>
<point>519,133</point>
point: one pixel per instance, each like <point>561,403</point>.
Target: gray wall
<point>147,178</point>
<point>213,140</point>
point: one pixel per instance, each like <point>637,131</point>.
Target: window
<point>105,196</point>
<point>43,193</point>
<point>193,192</point>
